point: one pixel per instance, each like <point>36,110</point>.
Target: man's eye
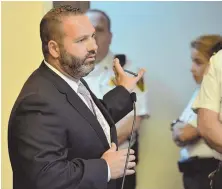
<point>81,40</point>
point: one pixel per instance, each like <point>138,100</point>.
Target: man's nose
<point>92,46</point>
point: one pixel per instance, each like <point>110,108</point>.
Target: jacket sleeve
<point>41,150</point>
<point>118,102</point>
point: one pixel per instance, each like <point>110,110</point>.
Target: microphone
<point>122,60</point>
<point>133,97</point>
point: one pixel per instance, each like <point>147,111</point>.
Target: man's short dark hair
<point>104,14</point>
<point>49,25</point>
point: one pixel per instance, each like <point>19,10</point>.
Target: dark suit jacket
<point>55,142</point>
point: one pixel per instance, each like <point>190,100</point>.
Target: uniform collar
<point>107,61</point>
<point>105,64</point>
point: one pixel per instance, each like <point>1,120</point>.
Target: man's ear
<point>54,50</point>
<point>110,37</point>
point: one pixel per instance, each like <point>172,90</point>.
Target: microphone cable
<point>133,97</point>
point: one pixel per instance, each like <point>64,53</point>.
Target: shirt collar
<point>71,81</point>
<point>107,61</point>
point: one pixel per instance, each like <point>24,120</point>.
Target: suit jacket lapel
<point>81,107</point>
<point>105,113</point>
<point>75,101</point>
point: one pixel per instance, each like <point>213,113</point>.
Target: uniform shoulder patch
<point>141,85</point>
<point>111,83</point>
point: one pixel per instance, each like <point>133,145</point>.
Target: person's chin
<point>92,67</point>
<point>197,80</point>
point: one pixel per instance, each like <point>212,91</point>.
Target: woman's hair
<point>207,44</point>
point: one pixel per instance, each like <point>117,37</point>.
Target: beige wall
<point>21,54</point>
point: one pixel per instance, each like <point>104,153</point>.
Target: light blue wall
<point>156,35</point>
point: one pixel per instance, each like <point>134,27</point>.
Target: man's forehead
<point>78,20</point>
<point>76,24</point>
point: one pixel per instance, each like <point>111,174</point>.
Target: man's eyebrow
<point>85,36</point>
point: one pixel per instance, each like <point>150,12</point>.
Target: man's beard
<point>75,66</point>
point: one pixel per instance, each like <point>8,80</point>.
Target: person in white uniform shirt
<point>208,105</point>
<point>197,160</point>
<point>101,81</point>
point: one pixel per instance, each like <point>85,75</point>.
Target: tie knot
<point>83,90</point>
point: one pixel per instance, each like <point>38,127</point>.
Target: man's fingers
<point>113,147</point>
<point>132,151</point>
<point>132,158</point>
<point>130,171</point>
<point>130,165</point>
<point>125,151</point>
<point>117,68</point>
<point>140,74</point>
